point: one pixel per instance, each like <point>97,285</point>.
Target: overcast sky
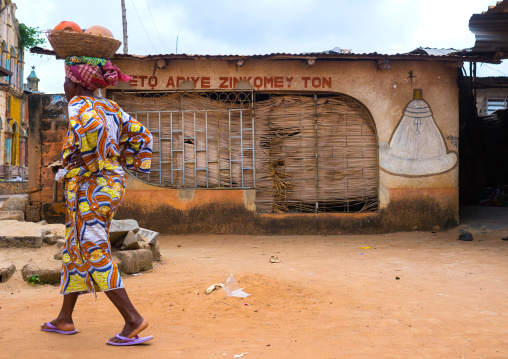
<point>260,27</point>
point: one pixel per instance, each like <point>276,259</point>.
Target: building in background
<point>13,116</point>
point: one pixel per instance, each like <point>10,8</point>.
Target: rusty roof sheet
<point>501,6</point>
<point>420,53</point>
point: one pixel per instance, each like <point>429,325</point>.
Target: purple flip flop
<point>130,341</point>
<point>52,328</point>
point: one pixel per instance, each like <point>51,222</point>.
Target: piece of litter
<point>211,288</point>
<point>365,247</point>
<point>137,273</point>
<point>360,253</point>
<point>241,355</point>
<point>233,290</point>
<point>465,236</point>
<point>311,273</point>
<point>274,259</point>
<point>246,304</point>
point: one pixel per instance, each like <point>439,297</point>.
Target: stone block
<point>47,272</point>
<point>6,272</point>
<point>60,243</point>
<point>156,252</point>
<point>12,215</point>
<point>149,236</point>
<point>135,261</point>
<point>15,203</point>
<point>21,234</point>
<point>119,229</point>
<point>51,238</point>
<point>130,241</point>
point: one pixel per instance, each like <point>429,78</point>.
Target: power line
<point>142,25</point>
<point>154,25</point>
<point>494,69</point>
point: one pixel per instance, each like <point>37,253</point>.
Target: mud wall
<point>13,187</point>
<point>205,211</point>
<point>48,125</point>
<point>416,191</point>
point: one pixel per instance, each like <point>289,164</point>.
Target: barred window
<point>200,139</point>
<point>494,104</point>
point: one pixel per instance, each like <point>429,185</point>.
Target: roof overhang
<point>458,56</point>
<point>491,30</point>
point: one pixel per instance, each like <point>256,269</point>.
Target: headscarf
<point>93,72</point>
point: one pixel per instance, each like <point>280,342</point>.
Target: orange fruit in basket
<point>68,26</point>
<point>99,31</point>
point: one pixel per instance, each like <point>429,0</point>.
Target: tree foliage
<point>30,36</point>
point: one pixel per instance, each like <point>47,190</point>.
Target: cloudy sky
<point>261,27</point>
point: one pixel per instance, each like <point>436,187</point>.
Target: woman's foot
<point>60,325</point>
<point>130,330</point>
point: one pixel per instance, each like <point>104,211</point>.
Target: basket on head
<point>66,43</point>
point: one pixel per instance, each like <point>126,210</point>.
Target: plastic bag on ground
<point>233,290</point>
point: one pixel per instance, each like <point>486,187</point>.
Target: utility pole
<point>124,21</point>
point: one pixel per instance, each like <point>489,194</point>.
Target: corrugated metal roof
<point>417,54</point>
<point>491,29</point>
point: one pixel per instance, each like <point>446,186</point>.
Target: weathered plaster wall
<point>187,211</point>
<point>407,202</point>
<point>385,92</point>
<point>13,187</point>
<point>48,125</point>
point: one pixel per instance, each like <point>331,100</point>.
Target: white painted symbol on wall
<point>417,147</point>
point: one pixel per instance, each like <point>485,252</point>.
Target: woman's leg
<point>134,322</point>
<point>64,320</point>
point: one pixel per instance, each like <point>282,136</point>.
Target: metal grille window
<point>494,104</point>
<point>200,140</point>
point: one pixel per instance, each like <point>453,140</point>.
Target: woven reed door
<point>316,154</point>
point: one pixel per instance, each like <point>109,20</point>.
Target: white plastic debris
<point>241,355</point>
<point>233,290</point>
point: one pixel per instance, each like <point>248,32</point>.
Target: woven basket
<point>66,43</point>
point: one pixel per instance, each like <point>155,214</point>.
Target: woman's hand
<point>76,160</point>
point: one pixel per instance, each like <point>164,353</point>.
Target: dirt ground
<point>408,295</point>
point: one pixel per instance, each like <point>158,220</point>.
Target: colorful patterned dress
<point>108,138</point>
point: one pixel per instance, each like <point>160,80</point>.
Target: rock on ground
<point>45,272</point>
<point>12,215</point>
<point>6,272</point>
<point>51,238</point>
<point>119,229</point>
<point>21,234</point>
<point>150,237</point>
<point>60,243</point>
<point>15,203</point>
<point>156,251</point>
<point>135,261</point>
<point>132,241</point>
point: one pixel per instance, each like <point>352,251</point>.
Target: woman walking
<point>101,139</point>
